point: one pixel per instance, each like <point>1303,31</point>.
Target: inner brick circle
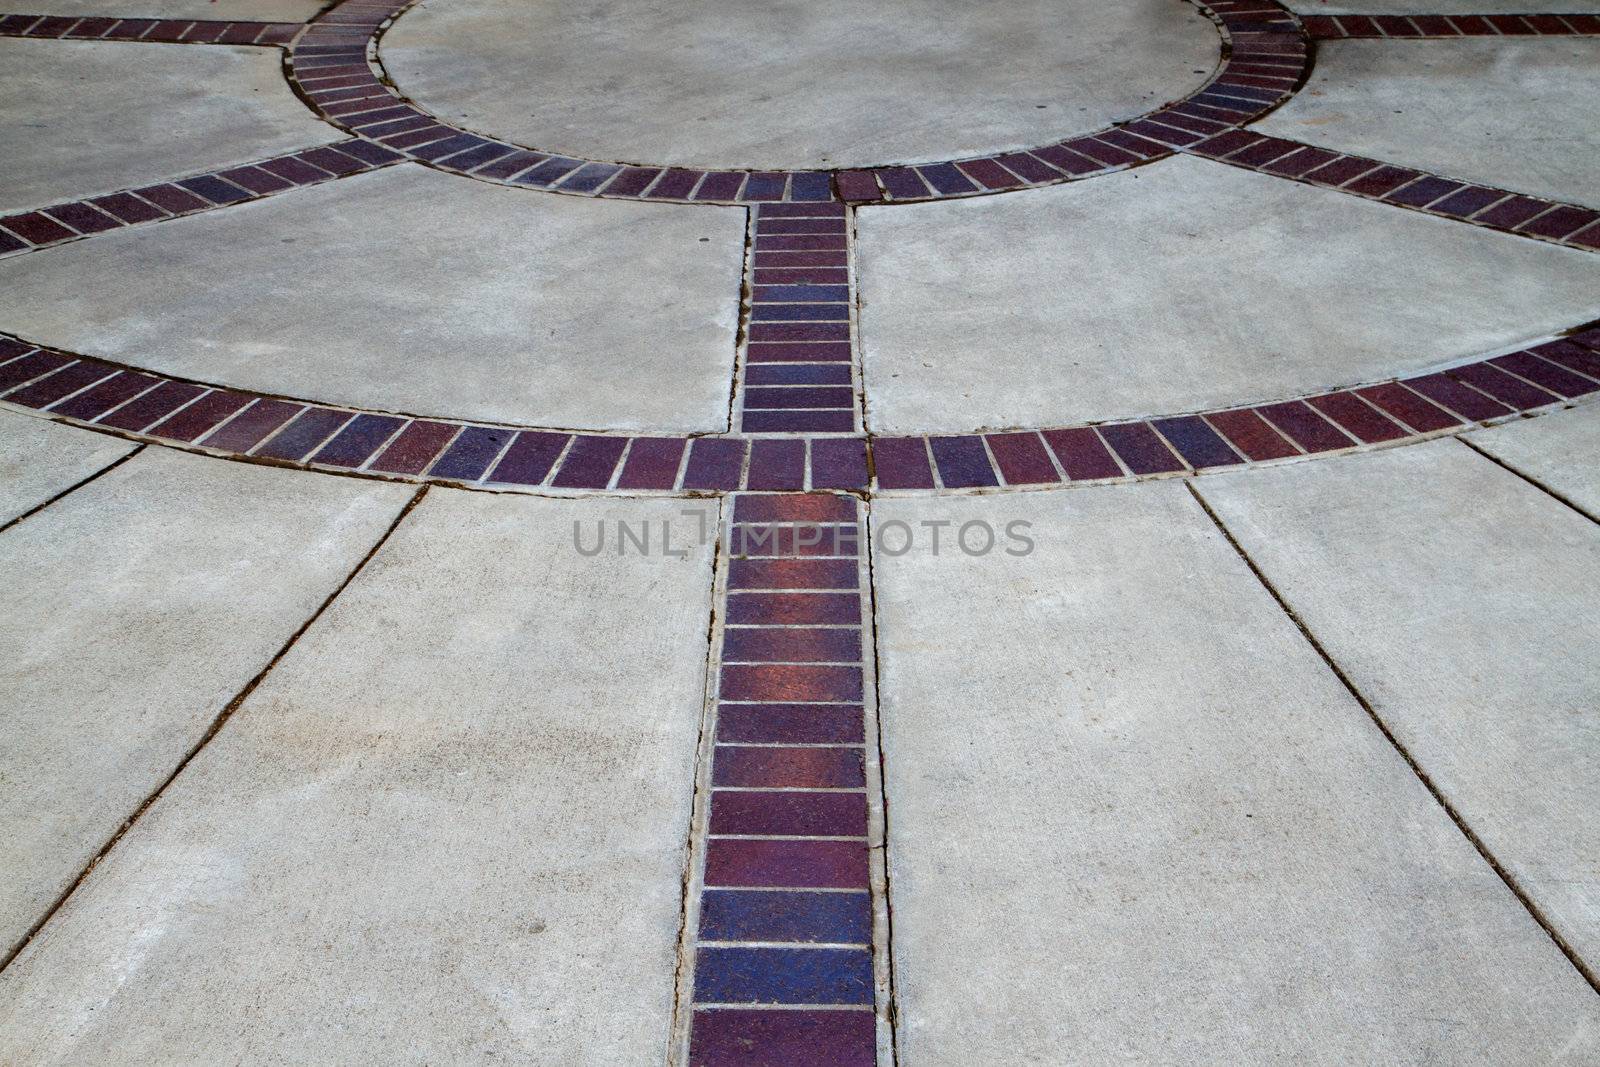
<point>854,86</point>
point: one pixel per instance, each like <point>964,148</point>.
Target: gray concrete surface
<point>1560,450</point>
<point>1509,113</point>
<point>448,828</point>
<point>89,117</point>
<point>1463,603</point>
<point>132,611</point>
<point>416,291</point>
<point>259,10</point>
<point>1134,818</point>
<point>1183,285</point>
<point>39,459</point>
<point>795,83</point>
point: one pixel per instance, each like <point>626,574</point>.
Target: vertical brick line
<point>783,956</point>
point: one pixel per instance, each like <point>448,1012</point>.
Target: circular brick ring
<point>235,424</point>
<point>336,67</point>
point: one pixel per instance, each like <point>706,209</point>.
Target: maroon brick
<point>1511,212</point>
<point>53,26</point>
<point>153,412</point>
<point>799,397</point>
<point>781,768</point>
<point>129,29</point>
<point>790,644</point>
<point>1082,454</point>
<point>256,179</point>
<point>786,864</point>
<point>1589,238</point>
<point>355,444</point>
<point>652,463</point>
<point>856,185</point>
<point>310,429</point>
<point>791,351</point>
<point>1297,163</point>
<point>62,383</point>
<point>93,28</point>
<point>800,331</point>
<point>824,814</point>
<point>902,463</point>
<point>1339,171</point>
<point>676,184</point>
<point>1474,25</point>
<point>248,428</point>
<point>590,462</point>
<point>1580,353</point>
<point>528,458</point>
<point>29,367</point>
<point>295,170</point>
<point>214,190</point>
<point>729,1037</point>
<point>118,389</point>
<point>1545,375</point>
<point>1395,26</point>
<point>1308,429</point>
<point>766,539</point>
<point>414,450</point>
<point>1449,393</point>
<point>1510,25</point>
<point>128,207</point>
<point>1029,167</point>
<point>1225,144</point>
<point>1408,407</point>
<point>805,507</point>
<point>1022,458</point>
<point>794,609</point>
<point>1140,448</point>
<point>768,420</point>
<point>1560,222</point>
<point>1064,159</point>
<point>989,174</point>
<point>508,166</point>
<point>1263,152</point>
<point>791,724</point>
<point>792,574</point>
<point>1359,419</point>
<point>1382,181</point>
<point>1502,386</point>
<point>789,682</point>
<point>36,228</point>
<point>1434,26</point>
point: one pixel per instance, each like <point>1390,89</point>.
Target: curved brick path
<point>784,954</point>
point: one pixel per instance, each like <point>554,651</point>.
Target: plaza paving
<point>811,535</point>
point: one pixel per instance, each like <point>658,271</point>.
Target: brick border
<point>163,31</point>
<point>49,226</point>
<point>1341,27</point>
<point>785,933</point>
<point>147,406</point>
<point>336,67</point>
<point>1569,225</point>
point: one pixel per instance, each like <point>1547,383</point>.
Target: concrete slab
<point>1135,818</point>
<point>1438,7</point>
<point>90,117</point>
<point>415,291</point>
<point>133,611</point>
<point>795,83</point>
<point>1180,286</point>
<point>255,10</point>
<point>1465,604</point>
<point>1510,113</point>
<point>1560,450</point>
<point>449,827</point>
<point>39,459</point>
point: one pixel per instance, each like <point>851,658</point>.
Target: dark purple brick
<point>1384,180</point>
<point>902,463</point>
<point>333,161</point>
<point>507,166</point>
<point>824,814</point>
<point>1339,171</point>
<point>777,465</point>
<point>1561,221</point>
<point>295,170</point>
<point>252,425</point>
<point>590,462</point>
<point>62,383</point>
<point>838,420</point>
<point>1423,191</point>
<point>1511,212</point>
<point>128,207</point>
<point>82,217</point>
<point>741,975</point>
<point>962,461</point>
<point>790,644</point>
<point>720,185</point>
<point>903,183</point>
<point>739,915</point>
<point>729,1037</point>
<point>1502,386</point>
<point>1196,442</point>
<point>1449,393</point>
<point>309,429</point>
<point>1408,407</point>
<point>947,179</point>
<point>675,184</point>
<point>808,185</point>
<point>29,367</point>
<point>163,411</point>
<point>529,458</point>
<point>1467,201</point>
<point>256,179</point>
<point>470,454</point>
<point>795,724</point>
<point>352,445</point>
<point>714,463</point>
<point>1140,448</point>
<point>118,389</point>
<point>652,463</point>
<point>586,179</point>
<point>839,463</point>
<point>797,374</point>
<point>1545,375</point>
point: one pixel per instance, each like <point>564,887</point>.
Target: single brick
<point>786,768</point>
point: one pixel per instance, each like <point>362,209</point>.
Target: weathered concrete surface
<point>89,117</point>
<point>1437,7</point>
<point>132,611</point>
<point>39,459</point>
<point>1135,818</point>
<point>795,83</point>
<point>1515,113</point>
<point>257,10</point>
<point>449,827</point>
<point>1183,285</point>
<point>1560,450</point>
<point>1465,605</point>
<point>411,290</point>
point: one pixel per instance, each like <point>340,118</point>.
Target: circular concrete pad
<point>795,83</point>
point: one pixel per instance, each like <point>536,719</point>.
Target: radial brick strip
<point>150,406</point>
<point>1265,62</point>
<point>1334,27</point>
<point>799,374</point>
<point>25,231</point>
<point>1461,201</point>
<point>783,932</point>
<point>166,31</point>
